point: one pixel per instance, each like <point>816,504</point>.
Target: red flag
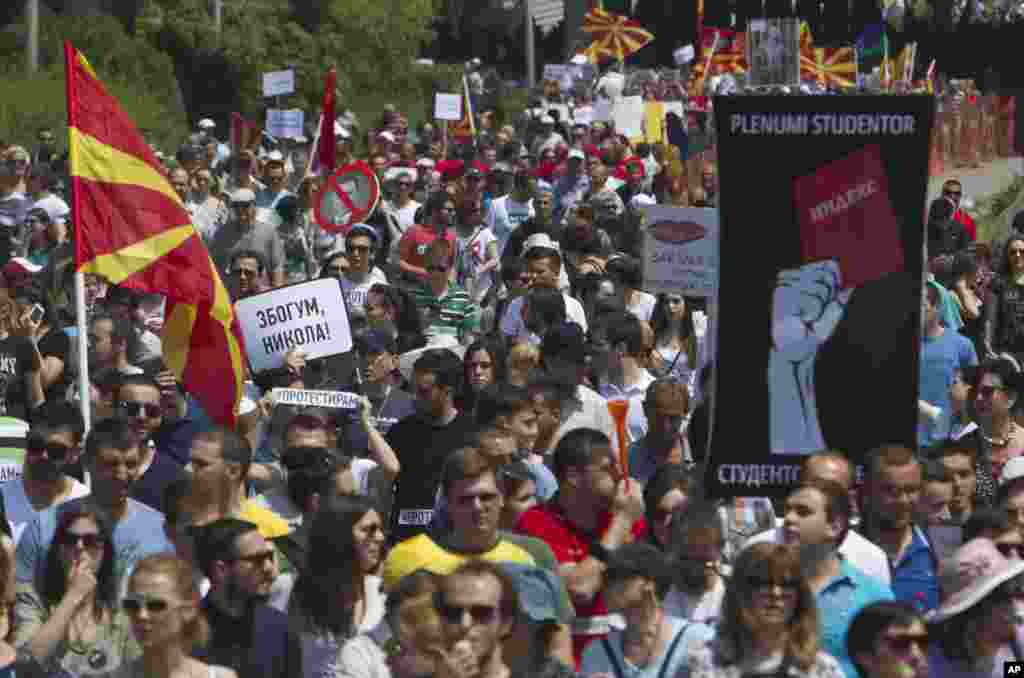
<point>132,228</point>
<point>327,148</point>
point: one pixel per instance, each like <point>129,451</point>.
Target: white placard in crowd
<point>278,83</point>
<point>310,316</point>
<point>286,124</point>
<point>557,72</point>
<point>680,250</point>
<point>338,400</point>
<point>628,114</point>
<point>447,106</point>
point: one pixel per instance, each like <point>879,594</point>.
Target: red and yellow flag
<point>727,50</point>
<point>615,36</point>
<point>832,66</point>
<point>132,229</point>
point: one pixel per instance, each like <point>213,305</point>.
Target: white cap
<point>426,162</point>
<point>642,200</point>
<point>243,195</point>
<point>341,131</point>
<point>206,123</point>
<point>540,240</point>
<point>275,156</point>
<point>387,136</point>
<point>579,59</point>
<point>576,153</point>
<point>547,120</point>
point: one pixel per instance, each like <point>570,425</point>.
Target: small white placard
<point>310,316</point>
<point>286,124</point>
<point>680,250</point>
<point>337,400</point>
<point>278,83</point>
<point>447,106</point>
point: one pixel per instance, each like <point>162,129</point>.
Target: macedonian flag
<point>614,36</point>
<point>132,229</point>
<point>832,66</point>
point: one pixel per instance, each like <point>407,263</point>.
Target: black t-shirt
<point>149,489</point>
<point>57,344</point>
<point>397,406</point>
<point>422,448</point>
<point>16,355</point>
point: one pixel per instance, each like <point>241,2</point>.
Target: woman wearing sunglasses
<point>978,625</point>
<point>162,606</point>
<point>769,622</point>
<point>69,621</point>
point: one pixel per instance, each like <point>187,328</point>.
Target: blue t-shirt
<point>838,603</point>
<point>941,357</point>
<point>139,534</point>
<point>914,578</point>
<point>597,660</point>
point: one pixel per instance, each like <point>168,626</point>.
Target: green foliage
<point>993,208</point>
<point>140,76</point>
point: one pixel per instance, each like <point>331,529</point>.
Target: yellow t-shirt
<point>423,553</point>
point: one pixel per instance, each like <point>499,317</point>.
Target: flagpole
<point>83,349</point>
<point>315,147</point>
<point>707,65</point>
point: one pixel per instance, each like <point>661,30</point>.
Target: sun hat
<point>967,577</point>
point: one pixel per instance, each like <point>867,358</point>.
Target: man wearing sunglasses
<point>112,460</point>
<point>953,191</point>
<point>244,231</point>
<point>247,634</point>
<point>52,447</point>
<point>139,402</point>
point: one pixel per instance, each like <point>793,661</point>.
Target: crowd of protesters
<point>475,517</point>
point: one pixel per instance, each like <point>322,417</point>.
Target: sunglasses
<point>766,585</point>
<point>90,540</point>
<point>902,644</point>
<point>952,194</point>
<point>133,604</point>
<point>54,451</point>
<point>454,614</point>
<point>246,273</point>
<point>133,409</point>
<point>1011,550</point>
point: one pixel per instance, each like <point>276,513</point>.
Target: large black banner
<point>821,259</point>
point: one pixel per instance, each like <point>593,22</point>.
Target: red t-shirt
<point>548,523</point>
<point>968,223</point>
<point>414,244</point>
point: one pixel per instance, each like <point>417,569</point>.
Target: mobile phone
<point>36,314</point>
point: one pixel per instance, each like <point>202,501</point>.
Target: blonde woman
<point>162,604</point>
<point>523,359</point>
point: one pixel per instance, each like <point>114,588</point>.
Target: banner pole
<point>83,356</point>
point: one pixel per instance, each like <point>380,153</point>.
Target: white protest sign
<point>681,250</point>
<point>556,72</point>
<point>628,114</point>
<point>310,316</point>
<point>447,106</point>
<point>278,83</point>
<point>338,400</point>
<point>285,124</point>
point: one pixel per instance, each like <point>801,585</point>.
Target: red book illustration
<point>844,214</point>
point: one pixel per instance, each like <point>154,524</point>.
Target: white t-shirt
<point>704,609</point>
<point>19,509</point>
<point>513,325</point>
<point>355,292</point>
<point>406,217</point>
<point>471,256</point>
<point>643,305</point>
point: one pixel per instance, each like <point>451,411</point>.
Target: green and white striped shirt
<point>454,314</point>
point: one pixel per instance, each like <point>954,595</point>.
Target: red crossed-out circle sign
<point>350,195</point>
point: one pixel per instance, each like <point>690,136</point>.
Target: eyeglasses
<point>90,540</point>
<point>454,614</point>
<point>901,644</point>
<point>54,451</point>
<point>133,604</point>
<point>765,586</point>
<point>1011,550</point>
<point>134,409</point>
<point>256,559</point>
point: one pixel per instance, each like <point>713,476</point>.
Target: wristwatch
<point>599,552</point>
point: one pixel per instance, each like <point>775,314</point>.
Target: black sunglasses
<point>454,614</point>
<point>1010,550</point>
<point>134,604</point>
<point>901,644</point>
<point>54,451</point>
<point>952,193</point>
<point>133,409</point>
<point>89,541</point>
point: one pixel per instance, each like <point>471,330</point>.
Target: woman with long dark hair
<point>677,346</point>
<point>338,597</point>
<point>484,365</point>
<point>70,621</point>
<point>1002,328</point>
